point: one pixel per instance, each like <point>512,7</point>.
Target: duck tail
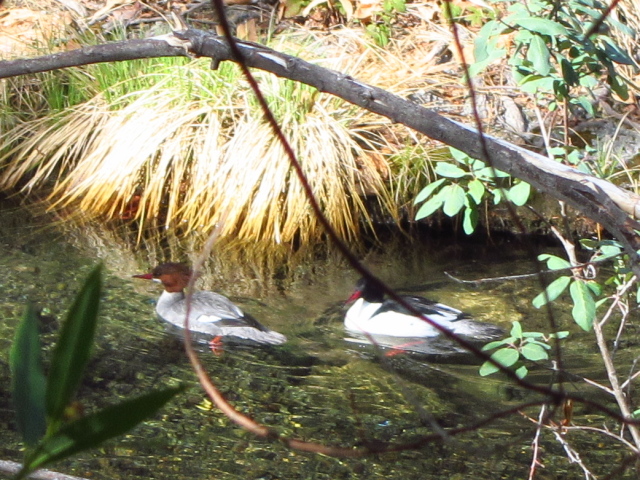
<point>477,330</point>
<point>268,337</point>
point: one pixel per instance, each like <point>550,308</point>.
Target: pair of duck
<point>214,314</point>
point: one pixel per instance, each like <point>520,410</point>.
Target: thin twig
<point>525,276</point>
<point>628,381</point>
<point>536,443</point>
<point>572,454</point>
<point>618,392</point>
<point>605,432</point>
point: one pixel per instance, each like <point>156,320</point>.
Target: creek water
<point>318,387</point>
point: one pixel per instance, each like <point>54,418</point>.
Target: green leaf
<point>614,52</point>
<point>607,251</point>
<point>519,193</point>
<point>588,82</point>
<point>470,220</point>
<point>454,198</point>
<point>554,289</point>
<point>427,191</point>
<point>449,170</point>
<point>489,173</point>
<point>584,102</point>
<point>533,83</point>
<point>540,344</point>
<point>487,368</point>
<point>534,352</point>
<point>72,351</point>
<point>516,329</point>
<point>595,287</point>
<point>28,383</point>
<point>532,334</point>
<point>589,243</point>
<point>476,190</point>
<point>91,431</point>
<point>618,86</point>
<point>485,42</point>
<point>522,36</point>
<point>560,335</point>
<point>459,156</point>
<point>542,26</point>
<point>538,55</point>
<point>554,262</point>
<point>498,343</point>
<point>569,75</point>
<point>522,371</point>
<point>497,196</point>
<point>430,206</point>
<point>584,308</point>
<point>505,356</point>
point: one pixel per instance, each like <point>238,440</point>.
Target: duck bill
<point>354,296</point>
<point>144,276</point>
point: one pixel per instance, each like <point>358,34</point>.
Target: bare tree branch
<point>111,52</point>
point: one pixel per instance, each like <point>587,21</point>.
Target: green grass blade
<point>28,382</point>
<point>72,351</point>
<point>91,431</point>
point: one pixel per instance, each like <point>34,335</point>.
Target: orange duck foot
<point>400,349</point>
<point>216,346</point>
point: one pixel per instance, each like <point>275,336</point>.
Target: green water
<point>317,388</point>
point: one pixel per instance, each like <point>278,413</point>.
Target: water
<point>317,388</point>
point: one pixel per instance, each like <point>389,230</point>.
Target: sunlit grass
<point>191,146</point>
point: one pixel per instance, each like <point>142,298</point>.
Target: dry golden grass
<point>191,147</point>
<point>194,151</point>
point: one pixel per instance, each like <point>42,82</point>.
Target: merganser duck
<point>210,313</point>
<point>373,315</point>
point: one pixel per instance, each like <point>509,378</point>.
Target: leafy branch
<point>52,423</point>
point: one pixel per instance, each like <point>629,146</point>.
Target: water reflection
<point>317,387</point>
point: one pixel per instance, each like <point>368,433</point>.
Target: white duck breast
<point>391,318</point>
<point>372,314</point>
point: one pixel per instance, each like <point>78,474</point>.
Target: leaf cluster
<point>551,50</point>
<point>518,347</point>
<point>51,422</point>
<point>586,295</point>
<point>380,28</point>
<point>464,185</point>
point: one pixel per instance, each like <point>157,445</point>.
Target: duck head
<point>367,289</point>
<point>173,276</point>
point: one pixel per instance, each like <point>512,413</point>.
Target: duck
<point>372,314</point>
<point>210,313</point>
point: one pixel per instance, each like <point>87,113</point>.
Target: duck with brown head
<point>209,312</point>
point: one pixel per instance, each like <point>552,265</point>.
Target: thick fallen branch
<point>614,208</point>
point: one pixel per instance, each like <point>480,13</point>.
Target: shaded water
<point>317,387</point>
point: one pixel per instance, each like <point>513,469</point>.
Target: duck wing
<point>212,307</point>
<point>428,308</point>
<point>245,321</point>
